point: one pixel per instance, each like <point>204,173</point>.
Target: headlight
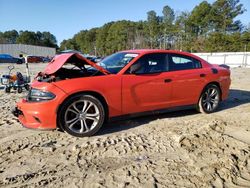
<point>36,95</point>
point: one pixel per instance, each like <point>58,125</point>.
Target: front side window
<point>152,63</point>
<point>181,62</point>
<point>114,63</point>
<point>5,56</point>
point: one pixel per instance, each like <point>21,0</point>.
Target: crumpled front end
<point>40,114</point>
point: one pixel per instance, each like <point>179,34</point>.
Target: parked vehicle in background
<point>94,58</point>
<point>80,98</point>
<point>6,58</point>
<point>47,59</point>
<point>91,58</point>
<point>98,59</point>
<point>34,59</point>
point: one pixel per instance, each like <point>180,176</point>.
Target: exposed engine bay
<point>73,67</point>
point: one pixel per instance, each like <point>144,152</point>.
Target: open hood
<point>74,58</point>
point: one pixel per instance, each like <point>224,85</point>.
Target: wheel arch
<point>92,93</point>
<point>212,83</point>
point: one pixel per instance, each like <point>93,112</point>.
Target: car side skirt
<point>153,112</point>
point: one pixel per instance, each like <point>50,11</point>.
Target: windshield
<point>115,62</point>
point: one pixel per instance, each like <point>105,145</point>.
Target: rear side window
<point>181,62</point>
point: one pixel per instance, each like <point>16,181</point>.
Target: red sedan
<point>78,96</point>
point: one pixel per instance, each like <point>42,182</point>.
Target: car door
<point>188,79</point>
<point>9,59</point>
<point>149,88</point>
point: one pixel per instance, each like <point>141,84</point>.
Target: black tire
<point>19,89</point>
<point>27,87</point>
<point>7,90</point>
<point>80,126</point>
<point>209,99</point>
<point>19,61</point>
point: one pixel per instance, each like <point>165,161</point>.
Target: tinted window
<point>8,56</point>
<point>5,56</point>
<point>115,62</point>
<point>180,62</point>
<point>153,63</point>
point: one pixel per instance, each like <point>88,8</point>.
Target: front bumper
<point>16,112</point>
<point>39,115</point>
<point>36,116</point>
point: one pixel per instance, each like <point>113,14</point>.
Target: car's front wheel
<point>81,115</point>
<point>209,99</point>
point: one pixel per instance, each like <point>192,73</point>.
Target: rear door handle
<point>202,75</point>
<point>167,80</point>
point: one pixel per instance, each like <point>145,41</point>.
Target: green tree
<point>101,39</point>
<point>199,19</point>
<point>153,28</point>
<point>117,37</point>
<point>27,37</point>
<point>11,36</point>
<point>38,38</point>
<point>69,44</point>
<point>86,40</point>
<point>223,14</point>
<point>245,40</point>
<point>47,39</point>
<point>3,40</point>
<point>168,28</point>
<point>140,36</point>
<point>208,27</point>
<point>168,15</point>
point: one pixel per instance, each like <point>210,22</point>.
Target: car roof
<point>6,54</point>
<point>144,51</point>
<point>147,51</point>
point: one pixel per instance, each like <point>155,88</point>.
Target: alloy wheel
<point>210,99</point>
<point>82,116</point>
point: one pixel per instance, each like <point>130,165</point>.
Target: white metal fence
<point>232,59</point>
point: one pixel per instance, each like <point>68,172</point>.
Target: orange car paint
<point>126,93</point>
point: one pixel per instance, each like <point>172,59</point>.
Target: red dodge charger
<point>78,96</point>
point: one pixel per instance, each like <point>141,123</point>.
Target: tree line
<point>28,37</point>
<point>207,28</point>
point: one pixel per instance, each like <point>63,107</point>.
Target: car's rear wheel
<point>27,87</point>
<point>19,89</point>
<point>81,115</point>
<point>209,99</point>
<point>7,89</point>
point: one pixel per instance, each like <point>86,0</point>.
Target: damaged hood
<point>59,60</point>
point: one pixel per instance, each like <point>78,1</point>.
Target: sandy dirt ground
<point>178,149</point>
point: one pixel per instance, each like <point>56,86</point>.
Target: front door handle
<point>167,80</point>
<point>202,75</point>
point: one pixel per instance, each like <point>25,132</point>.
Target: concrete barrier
<point>232,59</point>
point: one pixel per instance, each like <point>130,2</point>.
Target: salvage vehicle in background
<point>46,59</point>
<point>94,59</point>
<point>34,59</point>
<point>6,58</point>
<point>78,96</point>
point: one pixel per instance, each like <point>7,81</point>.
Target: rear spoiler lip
<point>225,66</point>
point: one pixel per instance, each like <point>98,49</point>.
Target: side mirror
<point>135,67</point>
